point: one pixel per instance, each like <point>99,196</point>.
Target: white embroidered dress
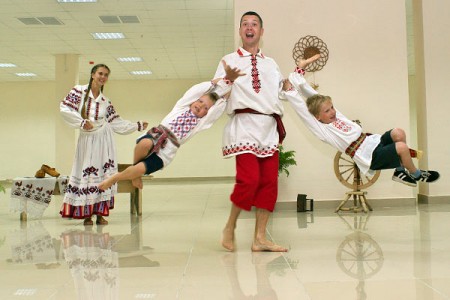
<point>247,132</point>
<point>95,158</point>
<point>340,133</point>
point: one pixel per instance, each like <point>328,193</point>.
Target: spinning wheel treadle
<point>348,173</point>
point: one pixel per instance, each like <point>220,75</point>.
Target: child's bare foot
<point>267,246</point>
<point>137,182</point>
<point>228,239</point>
<point>106,184</point>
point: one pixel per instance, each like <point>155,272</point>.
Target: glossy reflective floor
<point>173,252</point>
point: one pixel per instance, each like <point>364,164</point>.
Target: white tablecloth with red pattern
<point>33,195</point>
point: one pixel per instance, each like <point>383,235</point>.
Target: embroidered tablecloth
<point>33,195</point>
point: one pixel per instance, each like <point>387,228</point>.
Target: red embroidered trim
<point>88,108</point>
<point>228,81</point>
<point>300,71</point>
<point>256,83</point>
<point>236,149</point>
<point>97,108</point>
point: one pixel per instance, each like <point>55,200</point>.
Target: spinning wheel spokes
<point>347,172</point>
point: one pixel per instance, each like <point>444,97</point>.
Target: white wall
<point>366,75</point>
<point>436,32</point>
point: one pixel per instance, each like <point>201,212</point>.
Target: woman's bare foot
<point>228,239</point>
<point>267,246</point>
<point>106,184</point>
<point>137,182</point>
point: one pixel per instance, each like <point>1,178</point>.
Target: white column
<point>66,76</point>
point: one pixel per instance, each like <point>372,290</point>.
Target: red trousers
<point>256,182</point>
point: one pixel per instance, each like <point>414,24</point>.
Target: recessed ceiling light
<point>25,74</point>
<point>7,65</point>
<point>25,292</point>
<point>108,35</point>
<point>141,72</point>
<point>76,1</point>
<point>129,59</point>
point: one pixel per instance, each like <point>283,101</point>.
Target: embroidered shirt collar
<point>242,52</point>
<point>91,95</point>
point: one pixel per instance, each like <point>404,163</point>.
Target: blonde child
<point>369,151</point>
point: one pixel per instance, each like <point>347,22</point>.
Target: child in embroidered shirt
<point>197,110</point>
<point>369,151</point>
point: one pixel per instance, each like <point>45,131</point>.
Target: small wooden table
<point>124,186</point>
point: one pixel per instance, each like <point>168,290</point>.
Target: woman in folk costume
<point>86,108</point>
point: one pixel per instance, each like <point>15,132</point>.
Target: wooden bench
<point>125,186</point>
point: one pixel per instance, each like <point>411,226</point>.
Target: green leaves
<point>286,159</point>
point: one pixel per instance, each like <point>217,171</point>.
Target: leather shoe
<point>50,171</point>
<point>40,174</point>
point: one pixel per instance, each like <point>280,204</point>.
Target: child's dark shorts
<point>385,155</point>
<point>152,161</point>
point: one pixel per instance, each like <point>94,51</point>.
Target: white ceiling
<point>177,39</point>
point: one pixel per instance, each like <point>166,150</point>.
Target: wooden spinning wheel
<point>348,173</point>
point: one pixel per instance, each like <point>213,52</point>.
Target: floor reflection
<point>359,256</point>
<point>32,244</point>
<point>304,218</point>
<point>92,263</point>
<point>266,264</point>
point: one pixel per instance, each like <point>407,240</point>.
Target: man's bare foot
<point>106,184</point>
<point>267,246</point>
<point>228,239</point>
<point>137,182</point>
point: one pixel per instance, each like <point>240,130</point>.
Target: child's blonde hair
<point>213,96</point>
<point>315,102</point>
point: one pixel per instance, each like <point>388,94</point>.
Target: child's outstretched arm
<point>297,79</point>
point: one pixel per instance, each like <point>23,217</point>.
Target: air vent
<point>119,19</point>
<point>29,21</point>
<point>109,19</point>
<point>50,21</point>
<point>129,19</point>
<point>41,21</point>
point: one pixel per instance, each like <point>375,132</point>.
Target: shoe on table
<point>39,174</point>
<point>428,176</point>
<point>50,171</point>
<point>404,177</point>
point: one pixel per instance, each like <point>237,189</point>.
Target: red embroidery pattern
<point>111,113</point>
<point>88,107</point>
<point>255,75</point>
<point>236,149</point>
<point>97,108</point>
<point>341,125</point>
<point>73,99</point>
<point>183,124</point>
<point>32,192</point>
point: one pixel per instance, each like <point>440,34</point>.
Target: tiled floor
<point>173,252</point>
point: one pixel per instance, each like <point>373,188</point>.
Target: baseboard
<point>426,199</point>
<point>188,180</point>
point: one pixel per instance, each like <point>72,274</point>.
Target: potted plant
<point>286,159</point>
